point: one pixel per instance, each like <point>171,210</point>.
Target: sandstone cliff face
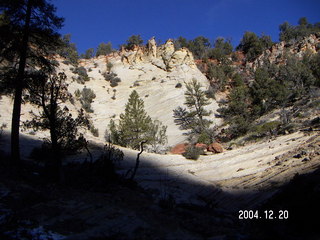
<point>164,56</point>
<point>179,57</point>
<point>143,69</point>
<point>278,53</point>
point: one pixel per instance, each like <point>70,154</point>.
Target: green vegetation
<point>222,48</point>
<point>193,119</point>
<point>289,32</point>
<point>219,75</point>
<point>82,75</point>
<point>193,152</point>
<point>28,35</point>
<point>48,92</point>
<point>94,131</point>
<point>68,50</point>
<point>134,40</point>
<point>104,49</point>
<point>112,78</point>
<point>88,54</point>
<point>198,46</point>
<point>86,97</point>
<point>273,87</point>
<point>135,126</point>
<point>253,46</point>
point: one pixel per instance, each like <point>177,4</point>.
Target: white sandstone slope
<point>156,85</point>
<point>152,72</point>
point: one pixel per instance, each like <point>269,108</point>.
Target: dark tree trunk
<point>137,160</point>
<point>15,124</point>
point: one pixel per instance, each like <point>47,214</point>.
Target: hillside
<point>154,77</point>
<point>252,170</point>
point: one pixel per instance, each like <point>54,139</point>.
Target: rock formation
<point>134,56</point>
<point>277,53</point>
<point>164,56</point>
<point>215,148</point>
<point>152,48</point>
<point>179,57</point>
<point>166,51</point>
<point>179,148</point>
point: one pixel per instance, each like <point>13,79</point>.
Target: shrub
<point>266,128</point>
<point>109,66</point>
<point>220,74</point>
<point>114,82</point>
<point>112,78</point>
<point>77,93</point>
<point>82,74</point>
<point>94,131</point>
<point>193,152</point>
<point>253,46</point>
<point>178,85</point>
<point>205,138</point>
<point>87,96</point>
<point>210,93</point>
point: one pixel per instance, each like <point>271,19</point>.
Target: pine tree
<point>88,54</point>
<point>48,91</point>
<point>33,23</point>
<point>193,119</point>
<point>134,123</point>
<point>196,100</point>
<point>135,126</point>
<point>68,50</point>
<point>104,49</point>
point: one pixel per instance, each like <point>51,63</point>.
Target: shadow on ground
<point>167,207</point>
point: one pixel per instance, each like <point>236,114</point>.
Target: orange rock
<point>201,145</point>
<point>179,148</point>
<point>215,148</point>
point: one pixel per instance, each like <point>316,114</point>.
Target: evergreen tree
<point>134,40</point>
<point>69,50</point>
<point>135,126</point>
<point>48,92</point>
<point>253,46</point>
<point>193,119</point>
<point>88,54</point>
<point>221,49</point>
<point>104,49</point>
<point>199,46</point>
<point>33,23</point>
<point>181,42</point>
<point>304,28</point>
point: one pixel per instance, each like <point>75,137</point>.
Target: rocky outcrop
<point>152,48</point>
<point>179,57</point>
<point>164,56</point>
<point>277,54</point>
<point>133,57</point>
<point>166,51</point>
<point>215,148</point>
<point>179,148</point>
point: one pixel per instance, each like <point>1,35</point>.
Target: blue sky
<point>91,22</point>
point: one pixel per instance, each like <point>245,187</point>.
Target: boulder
<point>202,146</point>
<point>179,148</point>
<point>215,148</point>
